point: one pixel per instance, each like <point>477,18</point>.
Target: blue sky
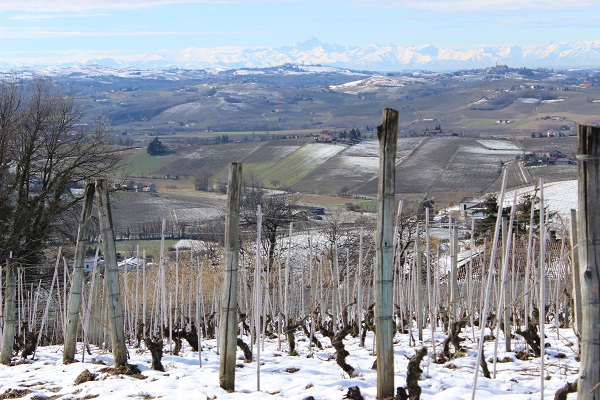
<point>56,31</point>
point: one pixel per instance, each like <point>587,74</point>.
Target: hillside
<point>193,106</point>
<point>270,117</point>
<point>445,169</point>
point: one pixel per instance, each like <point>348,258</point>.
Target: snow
<point>491,152</point>
<point>318,376</point>
<point>319,153</point>
<point>553,101</point>
<point>498,144</point>
<point>355,87</point>
<point>559,197</point>
<point>528,100</point>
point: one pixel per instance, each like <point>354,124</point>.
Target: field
<point>271,117</point>
<point>299,164</point>
<point>197,106</point>
<point>443,169</point>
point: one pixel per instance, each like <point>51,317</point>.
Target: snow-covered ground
<point>298,377</point>
<point>499,145</point>
<point>559,197</point>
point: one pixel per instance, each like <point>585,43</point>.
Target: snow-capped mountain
<point>374,57</point>
<point>392,58</point>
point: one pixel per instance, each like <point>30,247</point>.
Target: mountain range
<point>393,58</point>
<point>376,57</point>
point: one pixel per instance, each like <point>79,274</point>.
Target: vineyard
<point>472,316</point>
<point>315,308</point>
<point>171,279</point>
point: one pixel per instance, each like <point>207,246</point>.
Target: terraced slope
<point>301,163</point>
<point>418,171</point>
<point>474,168</point>
<point>348,169</point>
<point>445,168</point>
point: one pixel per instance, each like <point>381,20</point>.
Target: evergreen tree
<point>490,207</point>
<point>156,148</point>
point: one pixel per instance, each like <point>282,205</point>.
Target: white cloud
<point>88,5</point>
<point>576,22</point>
<point>54,57</point>
<point>39,17</point>
<point>49,33</point>
<point>449,6</point>
<point>468,6</point>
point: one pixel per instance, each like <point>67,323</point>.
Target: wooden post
<point>286,280</point>
<point>528,263</point>
<point>576,273</point>
<point>430,290</point>
<point>470,291</point>
<point>542,303</point>
<point>256,293</point>
<point>47,308</point>
<point>487,289</point>
<point>419,285</point>
<point>502,305</point>
<point>359,289</point>
<point>588,232</point>
<point>454,272</point>
<point>162,284</point>
<point>504,286</point>
<point>10,306</point>
<point>77,278</point>
<point>229,317</point>
<point>111,276</point>
<point>387,133</point>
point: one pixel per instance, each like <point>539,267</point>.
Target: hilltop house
<point>325,137</point>
<point>145,186</point>
<point>88,264</point>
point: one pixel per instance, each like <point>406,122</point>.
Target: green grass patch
<point>142,164</point>
<point>480,122</point>
<point>128,248</point>
<point>299,164</point>
<point>368,205</point>
<point>520,123</point>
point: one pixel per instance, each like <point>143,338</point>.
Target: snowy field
<point>500,145</point>
<point>559,197</point>
<point>297,377</point>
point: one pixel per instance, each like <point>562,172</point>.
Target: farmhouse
<point>88,264</point>
<point>325,137</point>
<point>546,153</point>
<point>145,186</point>
<point>552,133</point>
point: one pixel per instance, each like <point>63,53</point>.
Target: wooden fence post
<point>588,232</point>
<point>77,278</point>
<point>575,273</point>
<point>387,133</point>
<point>419,285</point>
<point>111,276</point>
<point>454,299</point>
<point>229,317</point>
<point>10,307</point>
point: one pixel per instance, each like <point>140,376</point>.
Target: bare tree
<point>44,152</point>
<point>278,211</point>
<point>406,235</point>
<point>203,179</point>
